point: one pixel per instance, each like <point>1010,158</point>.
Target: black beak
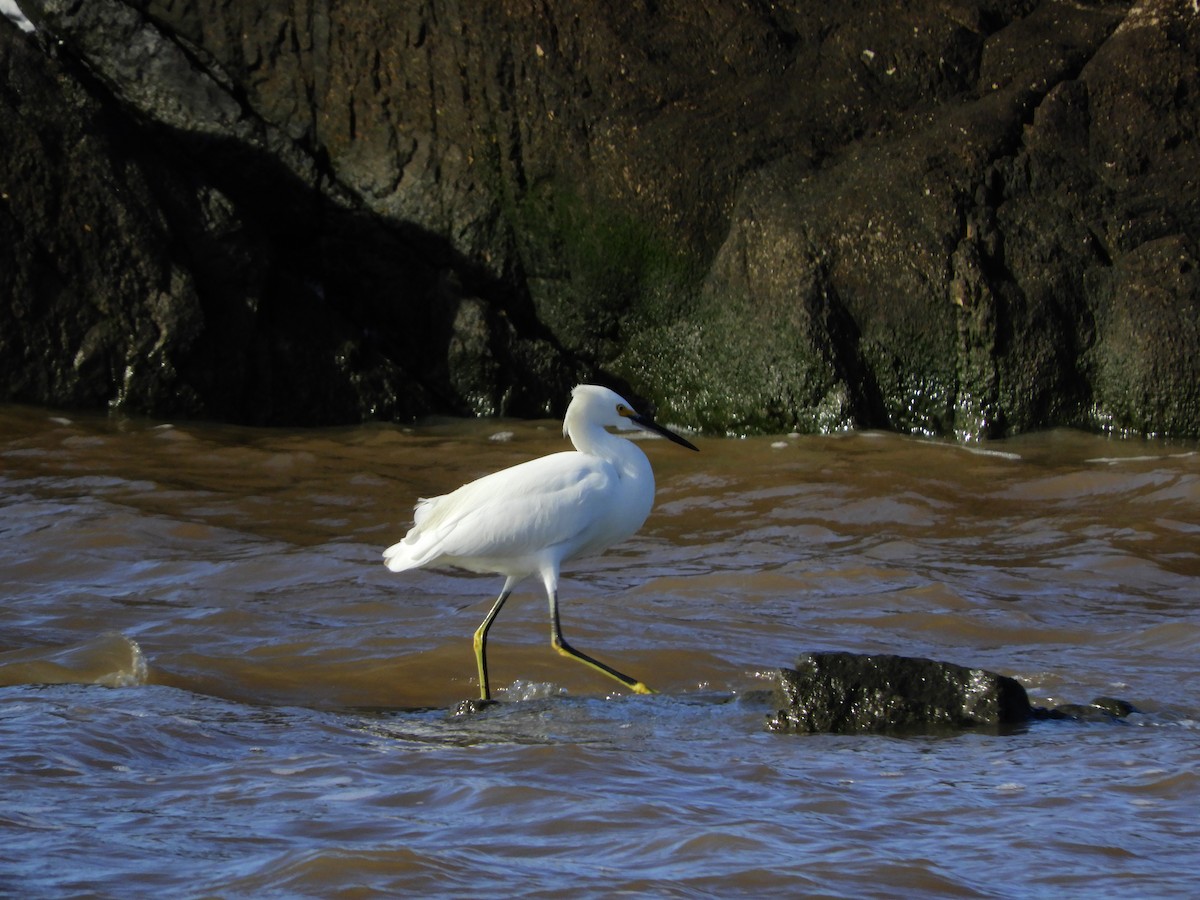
<point>650,425</point>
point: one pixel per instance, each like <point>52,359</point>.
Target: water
<point>212,687</point>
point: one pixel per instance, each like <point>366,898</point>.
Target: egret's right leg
<point>481,634</point>
<point>560,643</point>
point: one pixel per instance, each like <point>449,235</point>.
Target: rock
<point>165,250</point>
<point>847,693</point>
<point>1102,709</point>
<point>1146,372</point>
<point>957,218</point>
<point>852,693</point>
<point>93,295</point>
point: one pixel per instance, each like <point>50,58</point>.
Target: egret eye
<point>623,410</point>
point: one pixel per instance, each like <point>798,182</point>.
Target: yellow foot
<point>639,688</point>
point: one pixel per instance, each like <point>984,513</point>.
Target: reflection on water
<point>209,684</point>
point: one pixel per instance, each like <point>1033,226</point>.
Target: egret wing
<point>510,515</point>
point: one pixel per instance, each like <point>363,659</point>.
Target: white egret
<point>532,517</point>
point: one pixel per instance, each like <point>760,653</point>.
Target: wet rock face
<point>967,218</point>
<point>170,249</point>
<point>848,693</point>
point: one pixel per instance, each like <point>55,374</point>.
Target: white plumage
<point>533,517</point>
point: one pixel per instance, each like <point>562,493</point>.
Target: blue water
<point>209,686</point>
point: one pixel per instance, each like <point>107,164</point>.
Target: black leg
<point>560,644</point>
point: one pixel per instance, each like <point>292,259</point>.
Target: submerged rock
<point>853,693</point>
<point>1102,709</point>
<point>846,693</point>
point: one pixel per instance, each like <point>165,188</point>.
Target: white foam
<point>999,454</point>
<point>1114,460</point>
<point>136,673</point>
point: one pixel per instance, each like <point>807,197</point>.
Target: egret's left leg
<point>480,642</point>
<point>559,643</point>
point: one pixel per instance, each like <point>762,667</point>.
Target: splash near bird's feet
<point>473,707</point>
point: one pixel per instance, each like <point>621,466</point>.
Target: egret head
<point>592,404</point>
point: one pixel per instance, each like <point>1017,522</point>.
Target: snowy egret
<point>532,517</point>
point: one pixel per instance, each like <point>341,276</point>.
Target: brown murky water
<point>212,687</point>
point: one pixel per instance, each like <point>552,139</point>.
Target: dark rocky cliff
<point>949,217</point>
